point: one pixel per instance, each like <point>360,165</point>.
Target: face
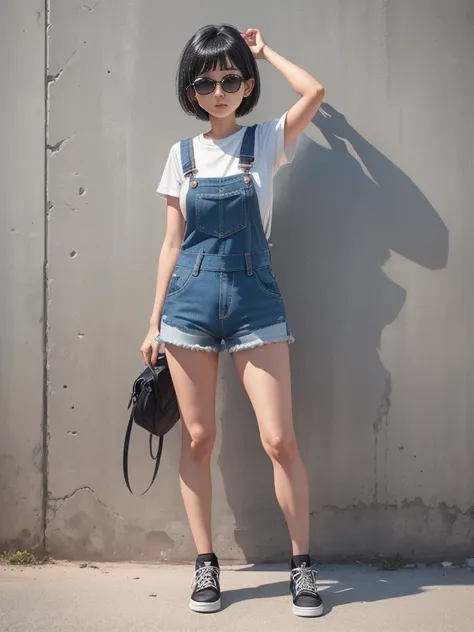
<point>221,103</point>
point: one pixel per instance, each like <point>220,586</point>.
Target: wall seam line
<point>45,460</point>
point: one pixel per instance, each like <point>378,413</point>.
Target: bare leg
<point>265,373</point>
<point>194,376</point>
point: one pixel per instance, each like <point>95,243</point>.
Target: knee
<point>200,442</point>
<point>280,448</point>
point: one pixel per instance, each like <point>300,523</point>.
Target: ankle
<point>208,557</point>
<point>298,560</point>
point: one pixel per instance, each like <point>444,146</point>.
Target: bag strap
<point>126,447</point>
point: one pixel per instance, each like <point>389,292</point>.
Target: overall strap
<point>247,150</point>
<point>188,162</point>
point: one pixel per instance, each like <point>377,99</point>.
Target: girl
<point>216,290</point>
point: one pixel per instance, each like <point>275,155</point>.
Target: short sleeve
<point>172,178</point>
<point>271,143</point>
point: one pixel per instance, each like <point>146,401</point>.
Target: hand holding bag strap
<point>126,447</point>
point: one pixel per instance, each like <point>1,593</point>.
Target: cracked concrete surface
<point>55,503</point>
<point>54,149</point>
<point>382,423</point>
<point>92,8</point>
<point>81,526</point>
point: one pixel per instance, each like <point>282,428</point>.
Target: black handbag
<point>154,408</point>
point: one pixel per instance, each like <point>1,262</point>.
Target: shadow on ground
<point>342,585</point>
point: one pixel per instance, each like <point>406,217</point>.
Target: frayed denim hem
<point>184,345</point>
<point>169,335</point>
<point>258,343</point>
<point>194,342</point>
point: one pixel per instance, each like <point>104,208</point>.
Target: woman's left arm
<point>309,88</point>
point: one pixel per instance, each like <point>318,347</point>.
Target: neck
<point>222,127</point>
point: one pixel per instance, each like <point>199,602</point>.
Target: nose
<point>219,92</point>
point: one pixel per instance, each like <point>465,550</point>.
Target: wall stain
<point>417,531</point>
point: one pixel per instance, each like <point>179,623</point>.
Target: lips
<point>220,105</point>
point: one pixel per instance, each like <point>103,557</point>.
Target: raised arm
<point>310,90</point>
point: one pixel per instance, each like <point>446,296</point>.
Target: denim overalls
<point>223,294</point>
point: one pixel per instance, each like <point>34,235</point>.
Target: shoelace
<point>305,579</point>
<point>205,577</point>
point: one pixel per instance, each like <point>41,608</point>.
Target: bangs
<point>218,60</point>
<point>218,53</point>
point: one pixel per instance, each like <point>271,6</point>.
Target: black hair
<point>213,46</point>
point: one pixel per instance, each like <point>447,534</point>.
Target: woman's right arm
<point>166,264</point>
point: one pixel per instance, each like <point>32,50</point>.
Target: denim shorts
<point>223,303</point>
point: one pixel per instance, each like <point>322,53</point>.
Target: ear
<point>249,86</point>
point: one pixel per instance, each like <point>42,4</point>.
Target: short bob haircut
<point>210,48</point>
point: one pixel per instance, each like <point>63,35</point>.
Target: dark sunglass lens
<point>232,83</point>
<point>204,86</point>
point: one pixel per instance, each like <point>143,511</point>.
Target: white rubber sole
<point>196,606</point>
<point>308,612</point>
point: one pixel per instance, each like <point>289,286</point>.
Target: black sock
<point>208,557</point>
<point>298,560</point>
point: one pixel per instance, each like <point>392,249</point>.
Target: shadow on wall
<point>335,224</point>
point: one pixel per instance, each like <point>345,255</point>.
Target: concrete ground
<point>135,598</point>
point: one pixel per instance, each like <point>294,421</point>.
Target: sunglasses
<point>205,85</point>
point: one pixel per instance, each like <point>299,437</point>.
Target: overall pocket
<point>179,280</point>
<point>221,214</point>
<point>267,281</point>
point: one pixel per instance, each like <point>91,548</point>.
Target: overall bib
<point>223,294</point>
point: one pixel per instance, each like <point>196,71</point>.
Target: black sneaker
<point>206,595</point>
<point>306,599</point>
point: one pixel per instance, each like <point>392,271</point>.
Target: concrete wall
<point>371,239</point>
<point>22,178</point>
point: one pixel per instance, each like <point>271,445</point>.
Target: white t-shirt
<point>220,158</point>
